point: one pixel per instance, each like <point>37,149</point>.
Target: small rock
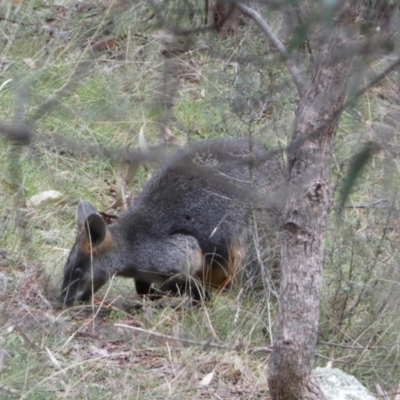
<point>45,197</point>
<point>337,385</point>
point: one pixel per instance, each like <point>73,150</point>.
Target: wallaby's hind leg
<point>142,287</point>
<point>179,287</point>
<point>182,259</point>
<point>171,287</point>
<point>177,260</point>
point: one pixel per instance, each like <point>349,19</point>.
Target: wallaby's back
<point>215,208</point>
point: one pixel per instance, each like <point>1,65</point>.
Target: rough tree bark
<point>306,212</point>
<point>223,16</point>
<point>305,217</point>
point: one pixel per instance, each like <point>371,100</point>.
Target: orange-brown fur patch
<point>217,276</point>
<point>87,247</point>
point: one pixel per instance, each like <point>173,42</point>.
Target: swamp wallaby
<point>193,221</point>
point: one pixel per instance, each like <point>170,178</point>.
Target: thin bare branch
<point>350,347</point>
<point>258,350</point>
<point>25,136</point>
<point>83,69</point>
<point>333,360</point>
<point>205,343</point>
<point>291,65</point>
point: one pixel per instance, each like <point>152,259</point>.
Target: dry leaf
<point>53,359</point>
<point>142,141</point>
<point>98,352</point>
<point>107,43</point>
<point>382,394</point>
<point>207,379</point>
<point>5,83</point>
<point>30,63</point>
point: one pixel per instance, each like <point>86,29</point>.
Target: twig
<point>205,343</point>
<point>13,21</point>
<point>370,205</point>
<point>260,21</point>
<point>344,346</point>
<point>256,350</point>
<point>30,343</point>
<point>83,69</point>
<point>333,360</point>
<point>24,135</point>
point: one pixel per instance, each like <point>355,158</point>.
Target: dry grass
<point>81,352</point>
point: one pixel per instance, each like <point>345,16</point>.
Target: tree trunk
<point>304,221</point>
<point>223,16</point>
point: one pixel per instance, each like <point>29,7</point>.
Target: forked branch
<point>260,21</point>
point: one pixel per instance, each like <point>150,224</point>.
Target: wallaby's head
<point>86,268</point>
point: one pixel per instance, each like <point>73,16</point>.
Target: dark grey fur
<point>194,213</point>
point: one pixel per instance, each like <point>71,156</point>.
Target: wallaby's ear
<point>93,224</point>
<point>83,210</point>
<point>96,229</point>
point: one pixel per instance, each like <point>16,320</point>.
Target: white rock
<point>45,197</point>
<point>337,385</point>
